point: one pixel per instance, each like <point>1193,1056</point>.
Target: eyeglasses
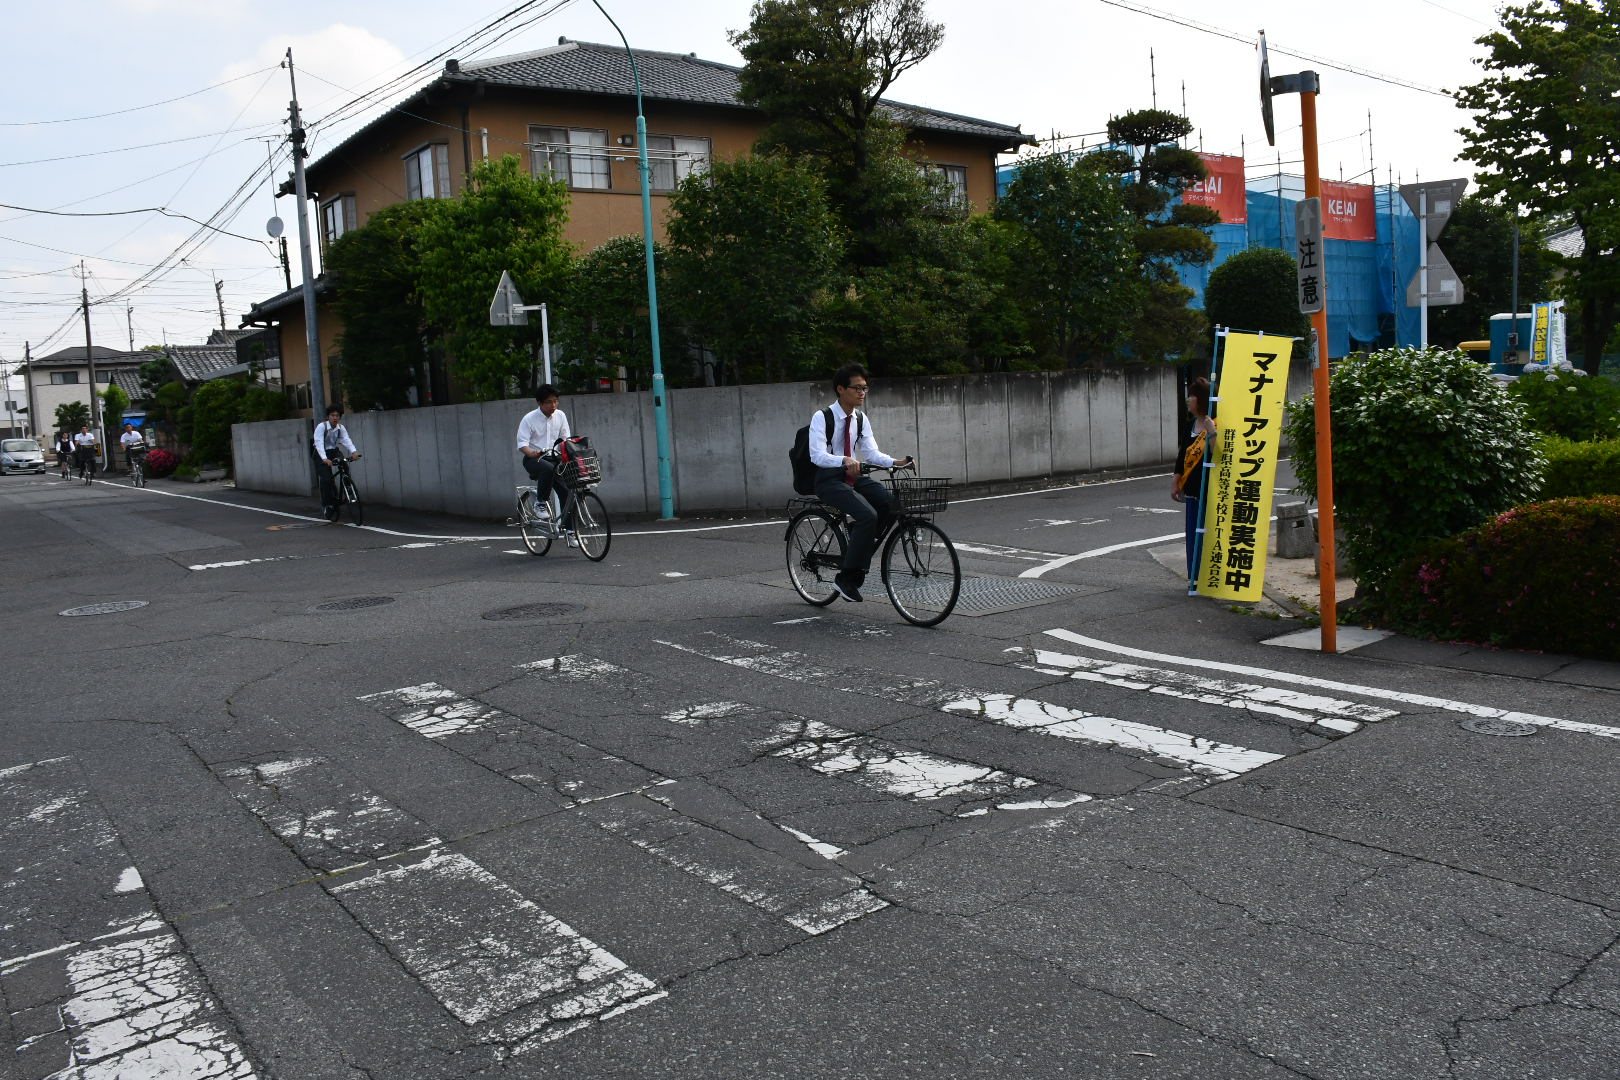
<point>861,389</point>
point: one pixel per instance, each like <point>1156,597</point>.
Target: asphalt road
<point>403,801</point>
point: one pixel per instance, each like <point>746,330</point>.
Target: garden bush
<point>1570,403</point>
<point>1543,576</point>
<point>160,463</point>
<point>1425,445</point>
<point>1580,469</point>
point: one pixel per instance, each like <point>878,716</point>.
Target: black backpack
<point>804,470</point>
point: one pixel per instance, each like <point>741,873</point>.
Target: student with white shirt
<point>537,434</point>
<point>84,451</point>
<point>838,454</point>
<point>331,438</point>
<point>133,442</point>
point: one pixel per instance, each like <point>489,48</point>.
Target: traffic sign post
<point>1308,248</point>
<point>1435,282</point>
<point>508,309</point>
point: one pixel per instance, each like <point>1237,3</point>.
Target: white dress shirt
<point>329,437</point>
<point>131,438</point>
<point>540,432</point>
<point>865,447</point>
<point>85,438</point>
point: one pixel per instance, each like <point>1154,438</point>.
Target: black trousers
<point>868,505</point>
<point>328,487</point>
<point>82,456</point>
<point>544,475</point>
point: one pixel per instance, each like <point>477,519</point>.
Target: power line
<point>141,146</point>
<point>165,211</point>
<point>133,108</point>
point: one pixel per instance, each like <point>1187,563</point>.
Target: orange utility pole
<point>1307,85</point>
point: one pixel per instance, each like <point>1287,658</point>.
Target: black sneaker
<point>847,590</point>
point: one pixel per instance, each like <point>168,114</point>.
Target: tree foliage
<point>1076,274</point>
<point>761,228</point>
<point>374,271</point>
<point>1425,445</point>
<point>113,403</point>
<point>504,220</point>
<point>1546,136</point>
<point>72,415</point>
<point>1479,246</point>
<point>602,323</point>
<point>219,403</point>
<point>1256,290</point>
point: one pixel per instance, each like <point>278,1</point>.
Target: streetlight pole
<point>666,486</point>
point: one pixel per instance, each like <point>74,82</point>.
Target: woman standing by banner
<point>1187,486</point>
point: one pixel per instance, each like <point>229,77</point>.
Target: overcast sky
<point>1052,67</point>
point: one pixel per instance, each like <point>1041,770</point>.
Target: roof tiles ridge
<point>469,66</point>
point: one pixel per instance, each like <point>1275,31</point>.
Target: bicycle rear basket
<point>921,494</point>
<point>583,466</point>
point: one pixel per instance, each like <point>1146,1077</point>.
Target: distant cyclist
<point>65,452</point>
<point>537,434</point>
<point>84,451</point>
<point>330,440</point>
<point>134,444</point>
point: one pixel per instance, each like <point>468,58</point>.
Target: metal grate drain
<point>104,608</point>
<point>989,595</point>
<point>532,611</point>
<point>1491,725</point>
<point>354,603</point>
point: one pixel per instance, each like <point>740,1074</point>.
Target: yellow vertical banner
<point>1252,384</point>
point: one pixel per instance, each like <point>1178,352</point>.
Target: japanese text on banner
<point>1252,386</point>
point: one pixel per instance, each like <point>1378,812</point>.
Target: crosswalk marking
<point>432,710</point>
<point>1311,709</point>
<point>1203,756</point>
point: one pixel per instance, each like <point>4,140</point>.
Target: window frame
<point>65,378</point>
<point>438,154</point>
<point>346,221</point>
<point>949,171</point>
<point>697,164</point>
<point>545,152</point>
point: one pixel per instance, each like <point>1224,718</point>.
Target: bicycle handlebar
<point>868,467</point>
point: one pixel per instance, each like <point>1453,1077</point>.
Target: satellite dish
<point>1265,92</point>
<point>274,227</point>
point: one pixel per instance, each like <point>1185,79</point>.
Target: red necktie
<point>848,419</point>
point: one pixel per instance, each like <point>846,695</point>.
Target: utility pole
<point>219,298</point>
<point>312,340</point>
<point>89,357</point>
<point>28,387</point>
<point>129,320</point>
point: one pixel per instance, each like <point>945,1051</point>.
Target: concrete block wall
<point>729,443</point>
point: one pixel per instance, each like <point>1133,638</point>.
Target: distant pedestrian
<point>1187,487</point>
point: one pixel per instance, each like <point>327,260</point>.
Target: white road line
<point>1330,713</point>
<point>1423,700</point>
<point>485,951</point>
<point>1204,756</point>
<point>895,770</point>
<point>1044,568</point>
<point>1004,552</point>
<point>435,711</point>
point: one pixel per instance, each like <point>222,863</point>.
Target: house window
<point>955,178</point>
<point>104,377</point>
<point>675,157</point>
<point>64,378</point>
<point>427,172</point>
<point>337,217</point>
<point>576,156</point>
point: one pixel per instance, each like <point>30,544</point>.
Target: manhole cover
<point>1490,725</point>
<point>104,608</point>
<point>355,603</point>
<point>532,611</point>
<point>988,595</point>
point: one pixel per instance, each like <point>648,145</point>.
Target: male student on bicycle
<point>134,444</point>
<point>84,450</point>
<point>537,433</point>
<point>331,439</point>
<point>838,455</point>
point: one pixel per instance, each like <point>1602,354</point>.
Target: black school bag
<point>804,470</point>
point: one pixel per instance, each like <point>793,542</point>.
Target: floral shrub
<point>1543,576</point>
<point>1567,402</point>
<point>160,463</point>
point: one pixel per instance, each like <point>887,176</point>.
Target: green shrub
<point>160,463</point>
<point>1569,403</point>
<point>1542,576</point>
<point>1425,445</point>
<point>1580,469</point>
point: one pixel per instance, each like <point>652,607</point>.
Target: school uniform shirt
<point>329,437</point>
<point>540,432</point>
<point>864,448</point>
<point>86,439</point>
<point>132,438</point>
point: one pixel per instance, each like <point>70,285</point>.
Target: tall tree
<point>1479,246</point>
<point>818,70</point>
<point>758,228</point>
<point>1256,290</point>
<point>374,271</point>
<point>601,322</point>
<point>1077,278</point>
<point>507,220</point>
<point>1546,136</point>
<point>1146,152</point>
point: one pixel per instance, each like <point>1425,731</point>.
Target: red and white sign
<point>1348,211</point>
<point>1222,190</point>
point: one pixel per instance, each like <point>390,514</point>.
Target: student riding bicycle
<point>134,444</point>
<point>330,440</point>
<point>537,436</point>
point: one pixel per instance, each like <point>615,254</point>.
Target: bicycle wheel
<point>815,547</point>
<point>352,497</point>
<point>921,572</point>
<point>591,526</point>
<point>534,533</point>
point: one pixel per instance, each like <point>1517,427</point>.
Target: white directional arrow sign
<point>1445,287</point>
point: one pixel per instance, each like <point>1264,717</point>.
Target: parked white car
<point>21,455</point>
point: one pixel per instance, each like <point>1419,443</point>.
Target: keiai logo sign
<point>1222,190</point>
<point>1348,211</point>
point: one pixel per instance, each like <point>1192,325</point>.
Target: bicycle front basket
<point>583,467</point>
<point>921,494</point>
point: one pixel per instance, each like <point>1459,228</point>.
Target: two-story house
<point>570,111</point>
<point>64,376</point>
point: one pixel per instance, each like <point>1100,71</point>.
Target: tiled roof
<point>588,68</point>
<point>129,381</point>
<point>228,337</point>
<point>198,363</point>
<point>1567,242</point>
<point>103,355</point>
